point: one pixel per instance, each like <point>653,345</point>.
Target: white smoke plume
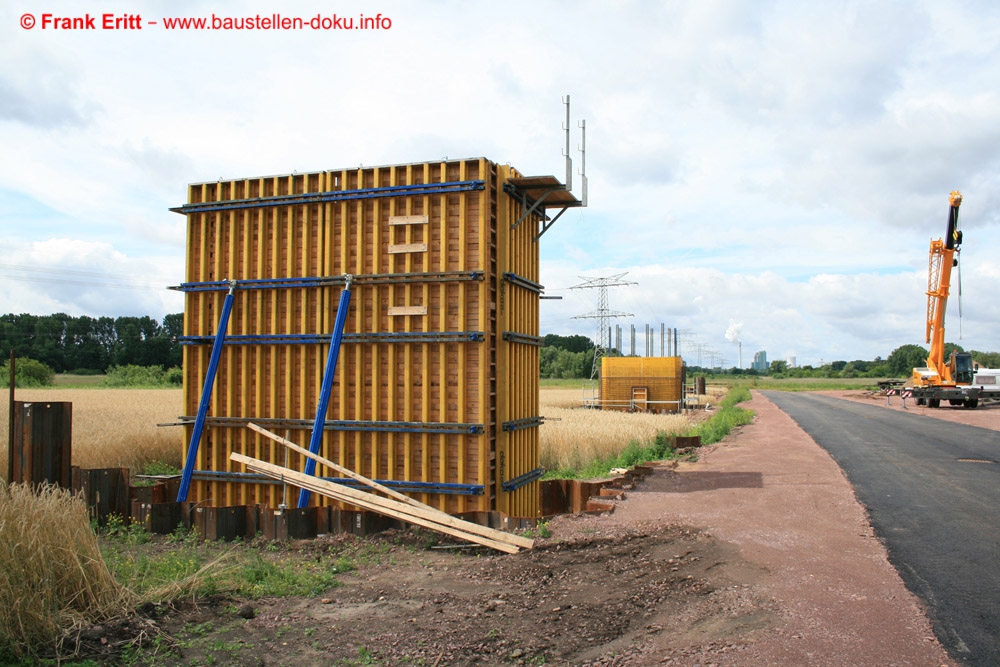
<point>734,330</point>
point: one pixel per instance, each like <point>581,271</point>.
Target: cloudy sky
<point>774,169</point>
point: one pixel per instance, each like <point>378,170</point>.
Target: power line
<point>74,272</point>
<point>83,283</point>
<point>40,274</point>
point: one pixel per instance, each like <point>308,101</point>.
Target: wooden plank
<point>408,219</point>
<point>423,510</point>
<point>330,464</point>
<point>364,500</point>
<point>400,248</point>
<point>407,310</point>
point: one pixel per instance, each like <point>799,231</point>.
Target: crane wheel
<point>971,403</point>
<point>934,402</point>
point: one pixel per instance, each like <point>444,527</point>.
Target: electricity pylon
<point>603,314</point>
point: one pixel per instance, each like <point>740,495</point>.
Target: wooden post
<point>10,426</point>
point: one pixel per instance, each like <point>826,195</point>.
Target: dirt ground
<point>758,554</point>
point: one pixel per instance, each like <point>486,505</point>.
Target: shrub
<point>142,377</point>
<point>27,373</point>
<point>175,376</point>
<point>160,468</point>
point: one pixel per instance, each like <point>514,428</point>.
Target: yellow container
<point>654,384</point>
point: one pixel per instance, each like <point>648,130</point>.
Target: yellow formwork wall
<point>642,383</point>
<point>430,386</point>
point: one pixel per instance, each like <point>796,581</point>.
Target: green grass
<point>726,418</point>
<point>766,382</point>
<point>559,383</point>
<point>189,567</point>
<point>797,384</point>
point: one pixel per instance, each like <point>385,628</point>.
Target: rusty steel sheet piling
<point>42,443</point>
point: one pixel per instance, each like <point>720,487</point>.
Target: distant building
<point>792,362</point>
<point>760,362</point>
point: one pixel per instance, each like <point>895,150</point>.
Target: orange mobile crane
<point>955,380</point>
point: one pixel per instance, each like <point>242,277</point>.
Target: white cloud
<point>86,278</point>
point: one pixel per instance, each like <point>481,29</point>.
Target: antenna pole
<point>569,160</point>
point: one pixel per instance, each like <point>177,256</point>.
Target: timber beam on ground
<point>432,519</point>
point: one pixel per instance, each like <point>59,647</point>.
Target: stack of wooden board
<point>396,505</point>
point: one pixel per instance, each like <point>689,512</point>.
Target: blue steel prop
<point>324,397</point>
<point>206,394</point>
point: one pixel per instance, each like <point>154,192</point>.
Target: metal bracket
<point>546,225</point>
<point>536,205</point>
<point>540,188</point>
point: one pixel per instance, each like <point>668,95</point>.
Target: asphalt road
<point>938,516</point>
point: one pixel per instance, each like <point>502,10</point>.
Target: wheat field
<point>112,428</point>
<point>117,427</point>
<point>573,436</point>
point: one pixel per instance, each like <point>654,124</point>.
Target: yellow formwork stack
<point>436,389</point>
<point>653,384</point>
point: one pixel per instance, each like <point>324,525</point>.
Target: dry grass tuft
<point>113,428</point>
<point>52,576</point>
<point>572,437</point>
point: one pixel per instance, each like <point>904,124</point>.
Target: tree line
<point>573,357</point>
<point>92,345</point>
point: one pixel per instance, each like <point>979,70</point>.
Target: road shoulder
<point>788,511</point>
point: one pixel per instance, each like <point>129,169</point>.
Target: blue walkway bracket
<point>206,394</point>
<point>324,397</point>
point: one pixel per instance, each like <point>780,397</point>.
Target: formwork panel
<point>415,397</point>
